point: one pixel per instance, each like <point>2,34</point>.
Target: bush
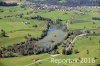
<point>2,33</point>
<point>67,52</point>
<point>95,18</point>
<point>76,51</point>
<point>98,65</point>
<point>35,26</point>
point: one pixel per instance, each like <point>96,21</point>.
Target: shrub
<point>3,33</point>
<point>35,26</point>
<point>98,65</point>
<point>76,51</point>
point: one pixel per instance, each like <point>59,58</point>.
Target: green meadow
<point>16,30</point>
<point>82,44</point>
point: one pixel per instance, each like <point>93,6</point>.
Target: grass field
<point>84,25</point>
<point>83,19</point>
<point>21,61</point>
<point>82,44</point>
<point>16,29</point>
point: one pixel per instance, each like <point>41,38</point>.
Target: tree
<point>87,51</point>
<point>64,51</point>
<point>90,38</point>
<point>99,41</point>
<point>55,47</point>
<point>69,51</point>
<point>98,65</point>
<point>3,33</point>
<point>76,51</point>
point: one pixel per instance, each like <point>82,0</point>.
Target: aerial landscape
<point>49,32</point>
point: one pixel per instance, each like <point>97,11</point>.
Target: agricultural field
<point>40,35</point>
<point>16,28</point>
<point>82,43</point>
<point>83,20</point>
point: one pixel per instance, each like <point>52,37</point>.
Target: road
<point>77,37</point>
<point>56,54</point>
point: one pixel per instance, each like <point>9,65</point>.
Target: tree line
<point>27,47</point>
<point>2,33</point>
<point>7,4</point>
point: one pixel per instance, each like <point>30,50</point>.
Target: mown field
<point>16,29</point>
